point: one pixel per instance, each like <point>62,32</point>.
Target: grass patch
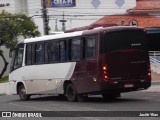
<point>4,79</point>
<point>2,94</point>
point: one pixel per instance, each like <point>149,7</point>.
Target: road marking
<point>26,106</point>
<point>38,108</point>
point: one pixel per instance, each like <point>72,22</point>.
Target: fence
<point>155,61</point>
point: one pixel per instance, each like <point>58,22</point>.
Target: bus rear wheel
<point>22,93</point>
<point>71,93</point>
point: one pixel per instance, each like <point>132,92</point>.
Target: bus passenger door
<point>86,69</point>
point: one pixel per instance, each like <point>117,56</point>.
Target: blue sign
<point>61,3</point>
<point>120,3</point>
<point>96,3</point>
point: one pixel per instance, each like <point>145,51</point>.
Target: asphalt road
<point>133,101</point>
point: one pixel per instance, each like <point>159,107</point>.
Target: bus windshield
<point>17,57</point>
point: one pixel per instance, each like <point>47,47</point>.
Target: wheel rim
<point>71,93</point>
<point>22,93</point>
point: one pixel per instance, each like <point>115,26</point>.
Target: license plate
<point>128,85</point>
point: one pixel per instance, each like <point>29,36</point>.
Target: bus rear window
<point>123,40</point>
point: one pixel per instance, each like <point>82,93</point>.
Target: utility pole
<point>63,23</point>
<point>45,17</point>
<point>56,26</point>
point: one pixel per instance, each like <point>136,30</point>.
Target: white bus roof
<point>52,37</point>
<point>74,34</point>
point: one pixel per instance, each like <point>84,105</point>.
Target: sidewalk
<point>155,87</point>
<point>4,89</point>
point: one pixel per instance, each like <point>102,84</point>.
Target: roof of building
<point>145,6</point>
<point>126,20</point>
<point>136,16</point>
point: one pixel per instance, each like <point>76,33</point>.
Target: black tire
<point>82,98</point>
<point>22,93</point>
<point>108,96</point>
<point>71,93</point>
<point>61,95</point>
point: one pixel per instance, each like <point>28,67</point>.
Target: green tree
<point>13,26</point>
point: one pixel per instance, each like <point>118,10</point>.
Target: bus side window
<point>33,54</point>
<point>28,54</point>
<point>39,53</point>
<point>76,53</point>
<point>68,48</point>
<point>46,52</point>
<point>63,51</point>
<point>54,51</point>
<point>90,47</point>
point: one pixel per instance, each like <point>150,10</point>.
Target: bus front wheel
<point>71,93</point>
<point>22,93</point>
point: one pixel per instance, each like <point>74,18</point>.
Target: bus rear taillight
<point>149,71</point>
<point>105,72</point>
<point>149,74</point>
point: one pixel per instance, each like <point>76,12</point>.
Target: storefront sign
<point>61,3</point>
<point>133,23</point>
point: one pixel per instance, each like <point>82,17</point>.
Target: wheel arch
<point>18,85</point>
<point>66,82</point>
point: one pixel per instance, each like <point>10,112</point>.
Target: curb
<point>155,81</point>
<point>5,89</point>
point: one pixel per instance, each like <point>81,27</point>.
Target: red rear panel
<point>127,64</point>
<point>127,59</point>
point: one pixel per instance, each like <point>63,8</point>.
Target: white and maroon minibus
<point>106,61</point>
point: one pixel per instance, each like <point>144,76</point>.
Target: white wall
<point>88,12</point>
<point>10,8</point>
<point>34,10</point>
<point>21,6</point>
<point>91,14</point>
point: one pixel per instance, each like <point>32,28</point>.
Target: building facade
<point>64,14</point>
<point>146,14</point>
<point>74,13</point>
